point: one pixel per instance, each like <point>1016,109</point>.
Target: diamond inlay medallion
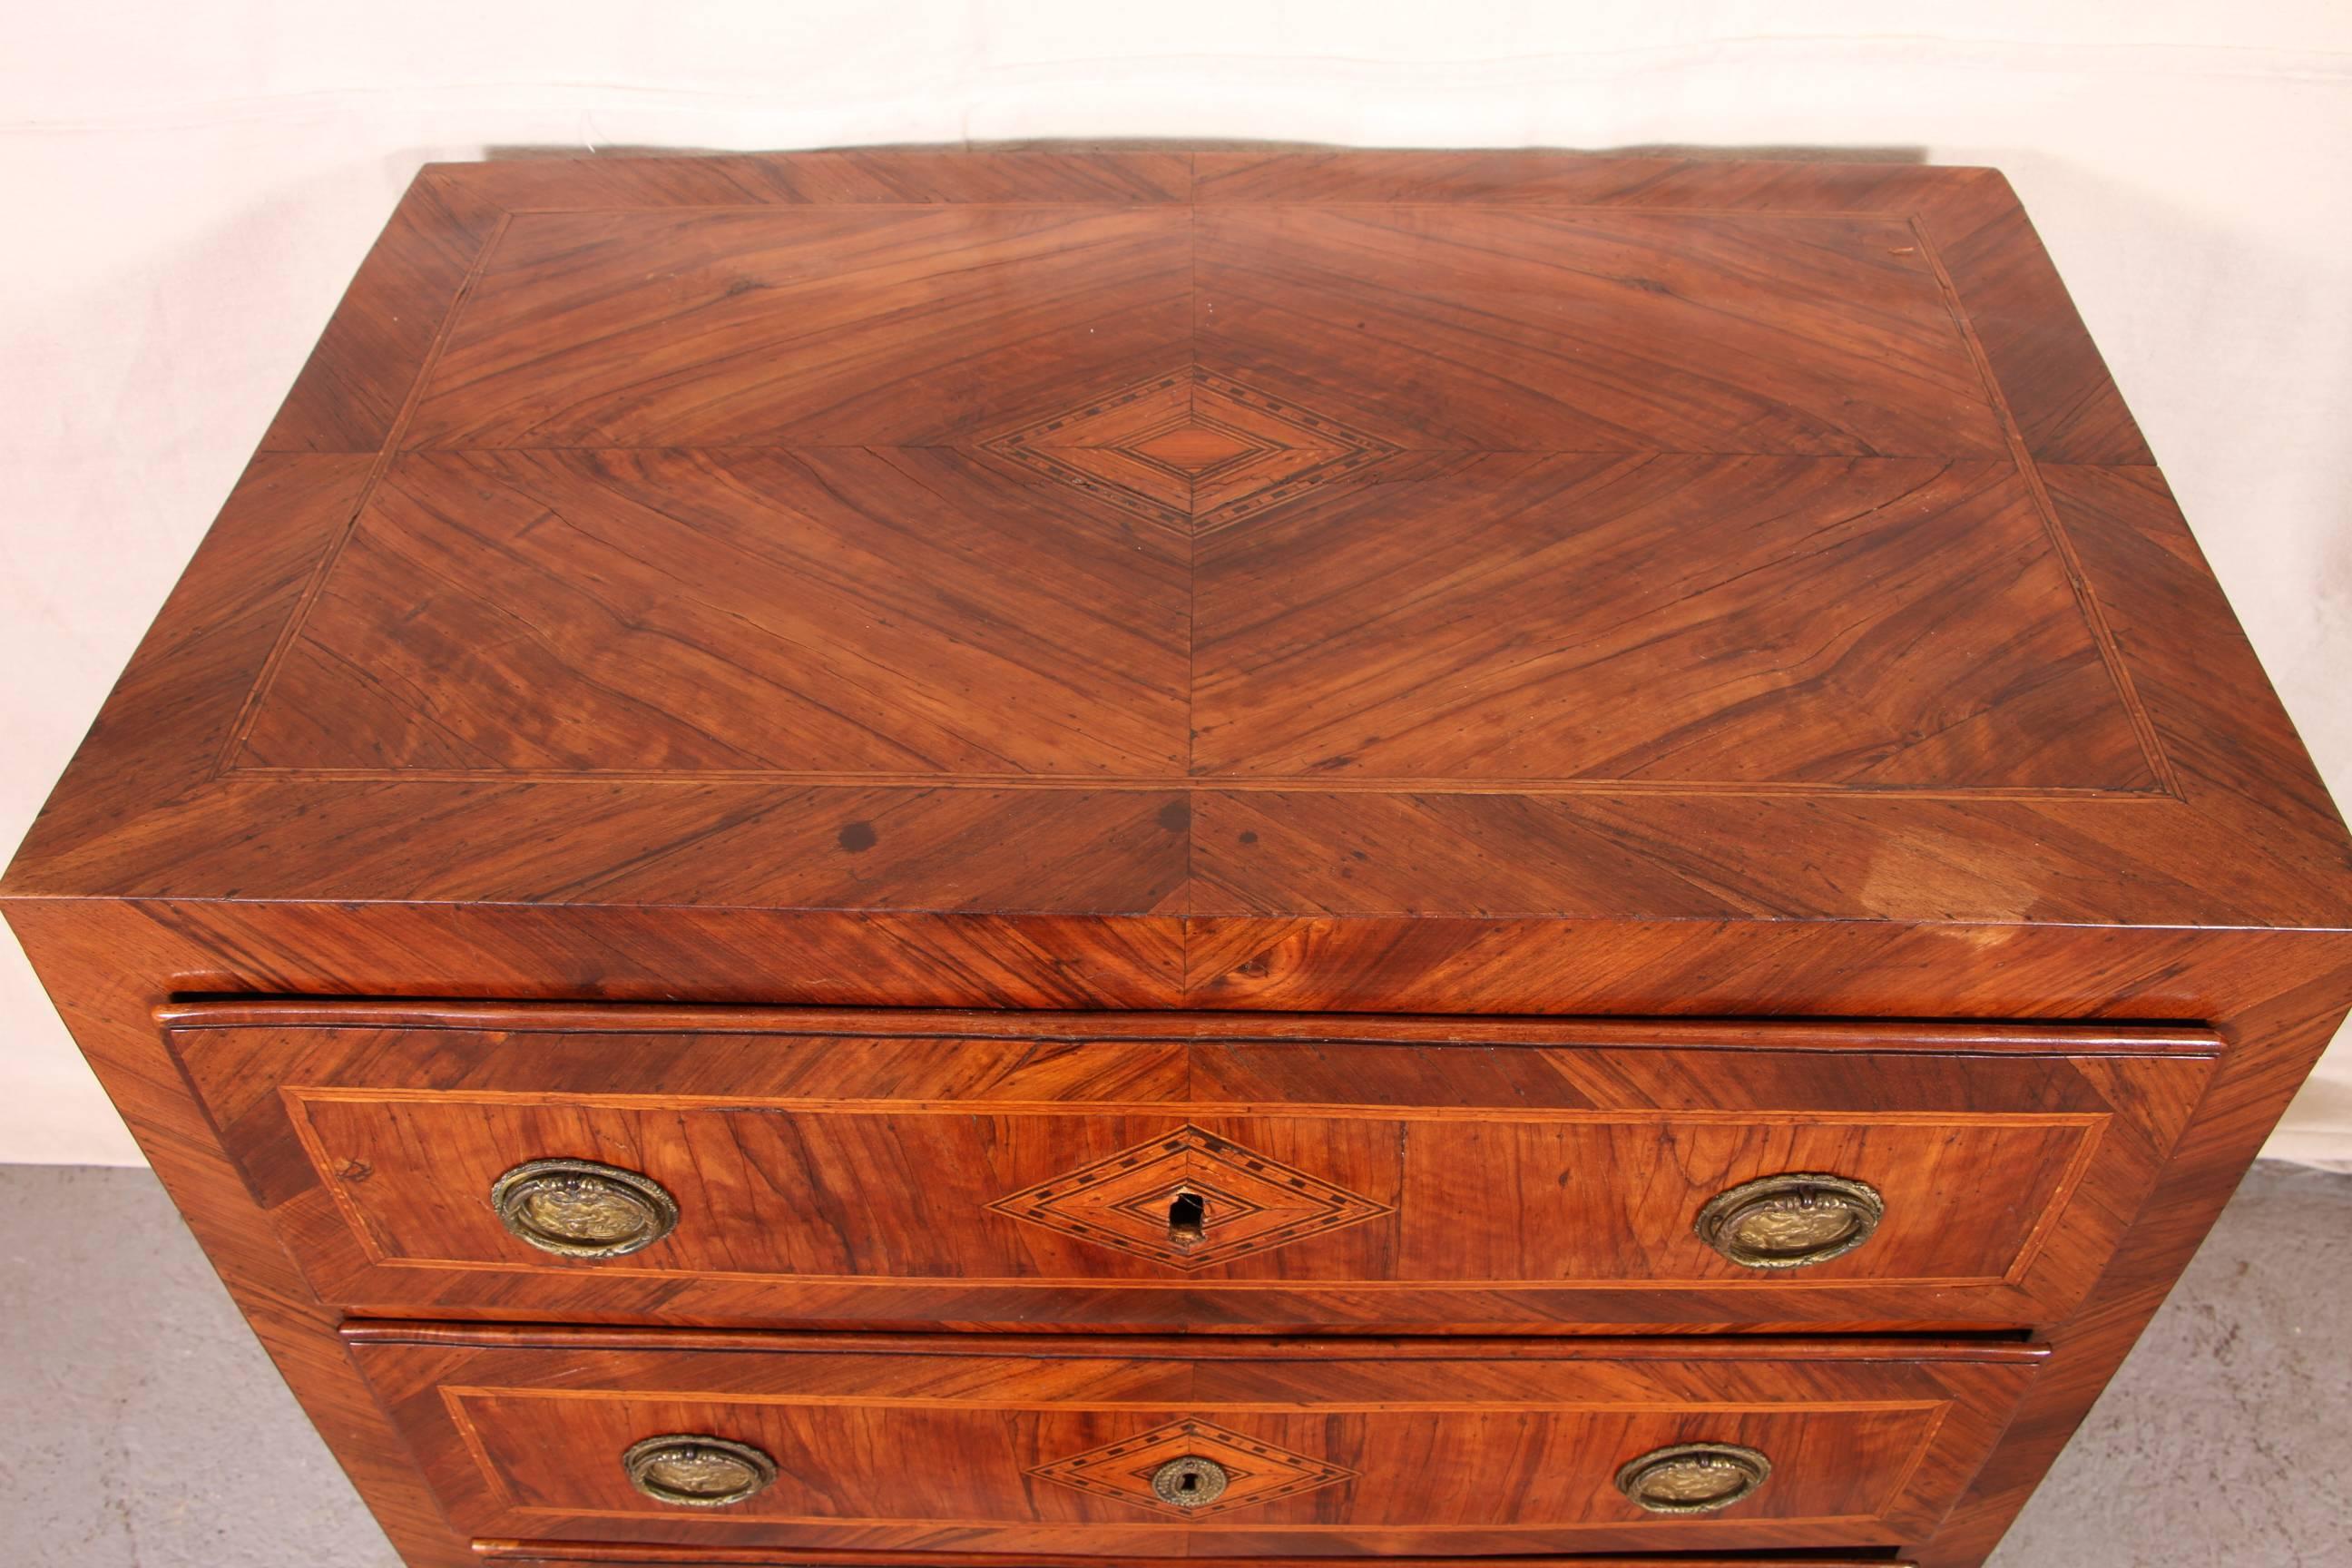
<point>1192,448</point>
<point>1188,1200</point>
<point>1256,1471</point>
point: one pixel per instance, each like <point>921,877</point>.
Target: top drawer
<point>1075,1170</point>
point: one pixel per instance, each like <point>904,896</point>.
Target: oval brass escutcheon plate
<point>1694,1478</point>
<point>580,1208</point>
<point>1189,1482</point>
<point>689,1471</point>
<point>1791,1221</point>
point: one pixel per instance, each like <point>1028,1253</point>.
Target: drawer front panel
<point>1314,1449</point>
<point>885,1177</point>
<point>763,1187</point>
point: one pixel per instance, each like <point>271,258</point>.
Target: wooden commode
<point>961,861</point>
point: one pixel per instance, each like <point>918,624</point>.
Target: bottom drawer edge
<point>579,1554</point>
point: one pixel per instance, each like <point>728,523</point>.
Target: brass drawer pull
<point>1694,1478</point>
<point>579,1209</point>
<point>1189,1482</point>
<point>1789,1221</point>
<point>692,1471</point>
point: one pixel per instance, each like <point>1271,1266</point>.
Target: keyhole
<point>1189,1484</point>
<point>1187,1213</point>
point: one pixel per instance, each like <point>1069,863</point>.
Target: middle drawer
<point>1110,1447</point>
<point>699,1165</point>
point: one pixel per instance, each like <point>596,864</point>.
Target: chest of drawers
<point>955,860</point>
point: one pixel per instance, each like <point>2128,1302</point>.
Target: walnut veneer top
<point>1157,534</point>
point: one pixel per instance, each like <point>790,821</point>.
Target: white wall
<point>191,184</point>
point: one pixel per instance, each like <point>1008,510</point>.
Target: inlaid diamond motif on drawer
<point>1190,1199</point>
<point>1255,1471</point>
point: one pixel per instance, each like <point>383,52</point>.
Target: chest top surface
<point>1217,534</point>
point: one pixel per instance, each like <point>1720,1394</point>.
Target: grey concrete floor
<point>141,1427</point>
